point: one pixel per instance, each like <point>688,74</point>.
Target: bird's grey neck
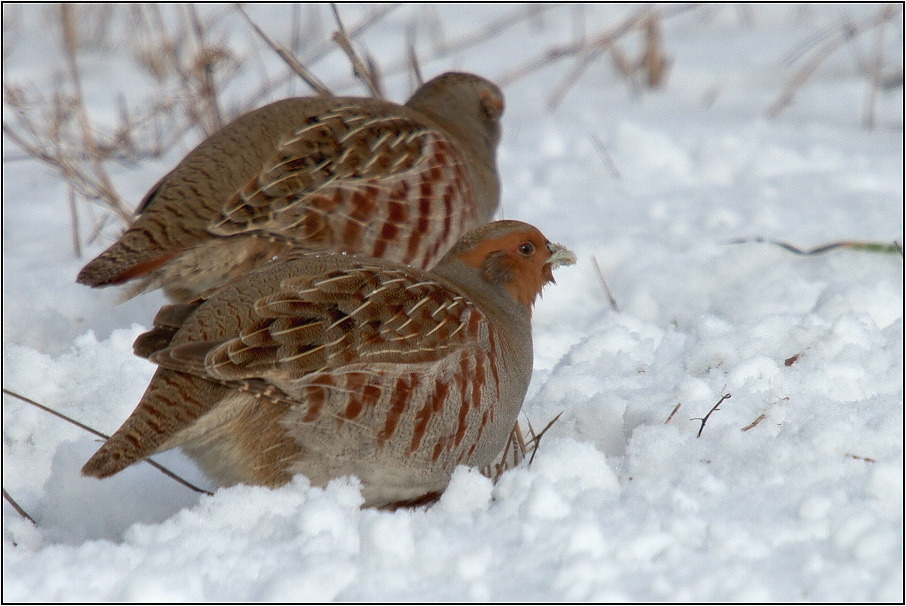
<point>493,299</point>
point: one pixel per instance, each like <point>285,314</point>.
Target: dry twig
<point>588,51</point>
<point>672,414</point>
<point>606,157</point>
<point>415,66</point>
<point>611,300</point>
<point>840,36</point>
<point>359,69</point>
<point>760,418</point>
<point>858,458</point>
<point>705,418</point>
<point>516,449</point>
<point>297,66</point>
<point>70,41</point>
<point>206,58</point>
<point>488,32</point>
<point>654,62</point>
<point>318,52</point>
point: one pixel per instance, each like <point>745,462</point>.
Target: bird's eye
<point>526,248</point>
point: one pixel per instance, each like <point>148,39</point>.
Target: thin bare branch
<point>592,51</point>
<point>150,462</point>
<point>536,439</point>
<point>310,79</point>
<point>654,62</point>
<point>611,300</point>
<point>70,42</point>
<point>875,247</point>
<point>19,510</point>
<point>206,59</point>
<point>359,69</point>
<point>843,35</point>
<point>516,449</point>
<point>375,70</point>
<point>606,157</point>
<point>710,412</point>
<point>371,19</point>
<point>491,30</point>
<point>415,68</point>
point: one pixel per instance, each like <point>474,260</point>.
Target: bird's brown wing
<point>354,181</point>
<point>350,316</point>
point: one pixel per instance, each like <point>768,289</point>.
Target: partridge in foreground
<point>331,365</point>
<point>317,174</point>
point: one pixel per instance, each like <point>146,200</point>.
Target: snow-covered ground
<point>620,503</point>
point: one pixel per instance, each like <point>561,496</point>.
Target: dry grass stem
<point>91,430</point>
<point>491,30</point>
<point>207,57</point>
<point>535,442</point>
<point>840,37</point>
<point>359,69</point>
<point>760,418</point>
<point>191,58</point>
<point>319,51</point>
<point>372,18</point>
<point>74,223</point>
<point>877,80</point>
<point>610,299</point>
<point>488,32</point>
<point>654,62</point>
<point>103,183</point>
<point>625,68</point>
<point>858,458</point>
<point>415,67</point>
<point>19,510</point>
<point>606,157</point>
<point>588,51</point>
<point>894,248</point>
<point>673,414</point>
<point>296,66</point>
<point>375,70</point>
<point>49,140</point>
<point>56,130</point>
<point>516,450</point>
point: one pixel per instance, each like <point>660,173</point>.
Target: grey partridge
<point>329,365</point>
<point>400,182</point>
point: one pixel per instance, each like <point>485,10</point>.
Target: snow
<point>618,504</point>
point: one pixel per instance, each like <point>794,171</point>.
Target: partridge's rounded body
<point>317,174</point>
<point>332,365</point>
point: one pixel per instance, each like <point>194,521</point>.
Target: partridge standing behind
<point>317,174</point>
<point>331,365</point>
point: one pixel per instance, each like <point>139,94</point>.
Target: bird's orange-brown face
<point>521,261</point>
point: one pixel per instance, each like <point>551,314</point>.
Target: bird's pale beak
<point>560,256</point>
